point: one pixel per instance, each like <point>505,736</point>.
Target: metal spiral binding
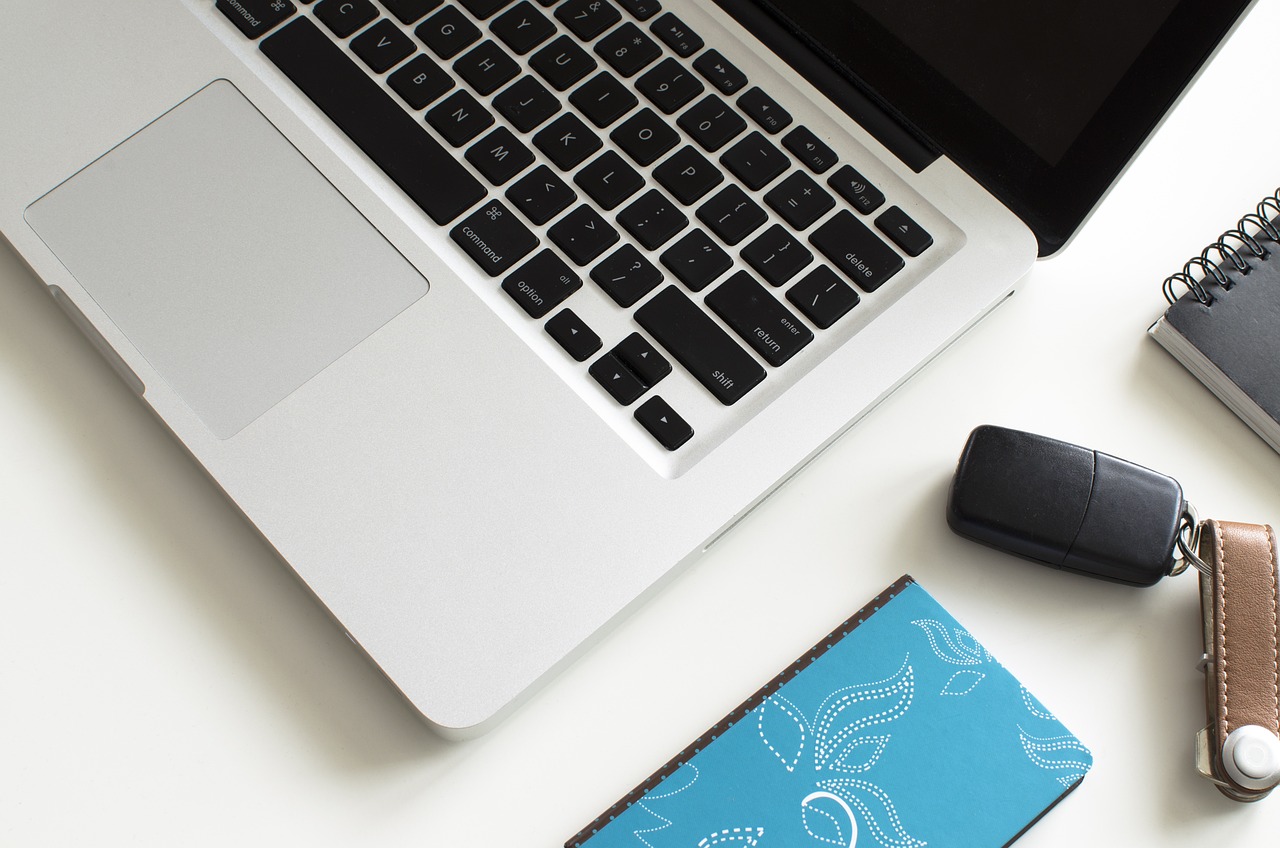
<point>1260,220</point>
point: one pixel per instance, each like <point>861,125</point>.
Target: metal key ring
<point>1188,542</point>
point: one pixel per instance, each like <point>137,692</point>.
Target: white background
<point>163,681</point>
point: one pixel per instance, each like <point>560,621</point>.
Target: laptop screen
<point>1043,102</point>
<point>1023,63</point>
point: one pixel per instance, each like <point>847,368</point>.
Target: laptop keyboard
<point>490,115</point>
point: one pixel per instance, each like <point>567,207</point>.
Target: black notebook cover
<point>1228,336</point>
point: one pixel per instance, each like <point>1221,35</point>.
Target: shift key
<point>856,251</point>
<point>700,345</point>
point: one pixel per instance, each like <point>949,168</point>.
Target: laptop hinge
<point>839,85</point>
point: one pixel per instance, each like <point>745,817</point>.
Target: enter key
<point>769,327</point>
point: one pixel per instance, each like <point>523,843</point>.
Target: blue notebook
<point>899,729</point>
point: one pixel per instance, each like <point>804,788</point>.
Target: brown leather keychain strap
<point>1244,673</point>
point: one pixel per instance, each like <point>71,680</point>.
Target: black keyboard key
<point>603,99</point>
<point>653,219</point>
<point>587,18</point>
<point>809,149</point>
<point>361,108</point>
<point>617,379</point>
<point>541,195</point>
<point>642,9</point>
<point>696,260</point>
<point>700,345</point>
<point>799,200</point>
<point>522,27</point>
<point>562,63</point>
<point>541,284</point>
<point>487,68</point>
<point>567,141</point>
<point>583,234</point>
<point>823,297</point>
<point>526,104</point>
<point>643,359</point>
<point>777,255</point>
<point>732,215</point>
<point>712,123</point>
<point>459,118</point>
<point>662,422</point>
<point>382,46</point>
<point>856,189</point>
<point>669,85</point>
<point>420,82</point>
<point>720,72</point>
<point>764,110</point>
<point>904,232</point>
<point>483,8</point>
<point>627,49</point>
<point>499,156</point>
<point>688,175</point>
<point>494,238</point>
<point>344,17</point>
<point>409,11</point>
<point>856,251</point>
<point>609,180</point>
<point>757,316</point>
<point>626,275</point>
<point>448,32</point>
<point>645,137</point>
<point>755,161</point>
<point>677,35</point>
<point>255,17</point>
<point>573,334</point>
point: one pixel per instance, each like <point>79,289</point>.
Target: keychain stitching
<point>1275,663</point>
<point>1220,539</point>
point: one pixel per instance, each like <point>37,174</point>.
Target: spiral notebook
<point>898,730</point>
<point>1223,322</point>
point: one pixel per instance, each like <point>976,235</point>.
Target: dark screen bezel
<point>1052,199</point>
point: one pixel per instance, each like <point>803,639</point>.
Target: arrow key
<point>577,339</point>
<point>642,358</point>
<point>904,232</point>
<point>617,379</point>
<point>657,416</point>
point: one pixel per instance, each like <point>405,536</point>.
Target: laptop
<point>492,315</point>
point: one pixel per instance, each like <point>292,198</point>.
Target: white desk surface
<point>163,681</point>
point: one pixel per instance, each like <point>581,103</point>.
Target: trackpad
<point>224,256</point>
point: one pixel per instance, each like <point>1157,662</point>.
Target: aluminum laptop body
<point>465,499</point>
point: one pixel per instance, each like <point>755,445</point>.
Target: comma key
<point>856,251</point>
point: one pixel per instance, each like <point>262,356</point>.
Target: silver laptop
<point>490,315</point>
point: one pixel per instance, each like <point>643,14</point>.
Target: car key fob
<point>1089,512</point>
<point>1066,506</point>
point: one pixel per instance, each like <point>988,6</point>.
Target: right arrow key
<point>904,232</point>
<point>657,416</point>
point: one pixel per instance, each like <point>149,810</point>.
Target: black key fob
<point>1066,506</point>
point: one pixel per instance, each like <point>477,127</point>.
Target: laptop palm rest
<point>224,257</point>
